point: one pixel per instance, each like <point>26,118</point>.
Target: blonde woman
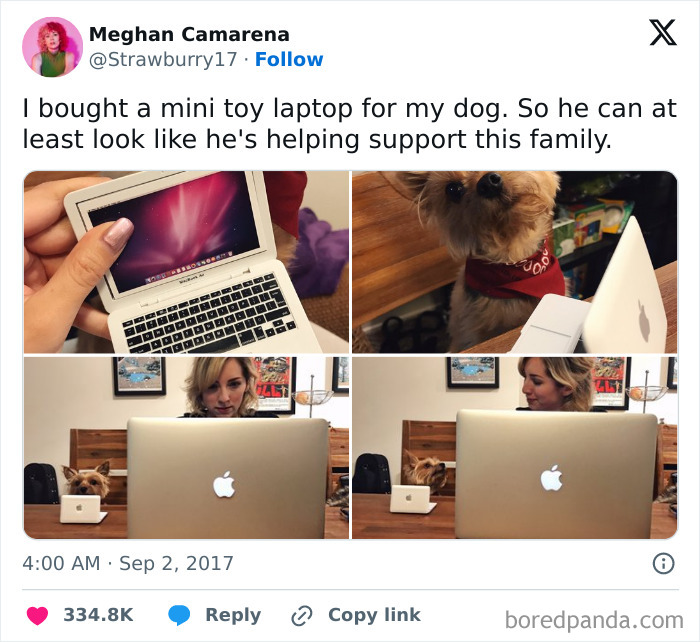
<point>223,387</point>
<point>557,383</point>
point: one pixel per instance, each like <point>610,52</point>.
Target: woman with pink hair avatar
<point>53,60</point>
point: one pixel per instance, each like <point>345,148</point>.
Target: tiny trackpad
<point>539,340</point>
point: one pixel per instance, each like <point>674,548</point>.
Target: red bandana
<point>536,276</point>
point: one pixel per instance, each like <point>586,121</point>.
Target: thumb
<point>49,314</point>
<point>88,262</point>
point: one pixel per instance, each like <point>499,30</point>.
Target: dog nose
<point>442,465</point>
<point>83,490</point>
<point>490,185</point>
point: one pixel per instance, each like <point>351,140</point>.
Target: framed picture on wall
<point>611,377</point>
<point>138,376</point>
<point>276,383</point>
<point>672,376</point>
<point>341,374</point>
<point>472,372</point>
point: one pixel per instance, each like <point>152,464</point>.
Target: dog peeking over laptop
<point>499,225</point>
<point>91,482</point>
<point>429,471</point>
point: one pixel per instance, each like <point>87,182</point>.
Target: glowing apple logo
<point>223,486</point>
<point>550,479</point>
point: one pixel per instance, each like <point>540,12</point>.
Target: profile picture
<point>52,47</point>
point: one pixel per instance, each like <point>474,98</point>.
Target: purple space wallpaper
<point>181,228</point>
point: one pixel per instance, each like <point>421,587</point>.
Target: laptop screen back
<point>226,478</point>
<point>627,313</point>
<point>598,467</point>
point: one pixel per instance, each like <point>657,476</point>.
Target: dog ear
<point>408,184</point>
<point>552,182</point>
<point>412,459</point>
<point>69,473</point>
<point>103,468</point>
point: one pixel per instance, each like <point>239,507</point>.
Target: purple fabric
<point>320,257</point>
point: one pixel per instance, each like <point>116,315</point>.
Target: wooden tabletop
<point>394,258</point>
<point>371,519</point>
<point>667,279</point>
<point>41,522</point>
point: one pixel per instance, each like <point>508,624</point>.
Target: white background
<point>391,51</point>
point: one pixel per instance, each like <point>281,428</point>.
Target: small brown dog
<point>93,482</point>
<point>498,224</point>
<point>425,472</point>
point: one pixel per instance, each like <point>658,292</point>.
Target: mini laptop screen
<point>182,228</point>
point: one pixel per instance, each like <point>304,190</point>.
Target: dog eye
<point>454,191</point>
<point>426,465</point>
<point>93,482</point>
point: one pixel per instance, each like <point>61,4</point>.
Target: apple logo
<point>550,479</point>
<point>643,322</point>
<point>409,497</point>
<point>79,507</point>
<point>223,486</point>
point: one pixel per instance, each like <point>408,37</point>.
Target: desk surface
<point>667,279</point>
<point>41,522</point>
<point>371,519</point>
<point>394,258</point>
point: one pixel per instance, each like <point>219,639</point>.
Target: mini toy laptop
<point>199,274</point>
<point>626,316</point>
<point>411,499</point>
<point>554,474</point>
<point>81,509</point>
<point>227,478</point>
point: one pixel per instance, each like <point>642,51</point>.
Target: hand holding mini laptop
<point>199,273</point>
<point>411,499</point>
<point>81,509</point>
<point>626,316</point>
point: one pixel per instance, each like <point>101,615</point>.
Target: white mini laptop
<point>554,475</point>
<point>81,509</point>
<point>226,478</point>
<point>626,316</point>
<point>199,273</point>
<point>411,499</point>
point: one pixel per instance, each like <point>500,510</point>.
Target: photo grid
<point>466,380</point>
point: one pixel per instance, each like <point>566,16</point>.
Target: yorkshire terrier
<point>498,224</point>
<point>425,472</point>
<point>92,482</point>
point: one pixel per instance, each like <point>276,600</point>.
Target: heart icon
<point>37,615</point>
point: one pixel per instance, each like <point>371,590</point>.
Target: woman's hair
<point>575,372</point>
<point>206,370</point>
<point>46,29</point>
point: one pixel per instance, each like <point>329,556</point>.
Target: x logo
<point>663,32</point>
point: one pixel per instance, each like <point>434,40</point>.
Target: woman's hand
<point>59,272</point>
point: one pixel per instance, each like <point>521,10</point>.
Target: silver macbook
<point>199,273</point>
<point>554,475</point>
<point>226,478</point>
<point>411,499</point>
<point>81,509</point>
<point>627,314</point>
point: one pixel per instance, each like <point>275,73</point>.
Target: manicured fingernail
<point>117,235</point>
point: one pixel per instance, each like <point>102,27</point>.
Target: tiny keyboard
<point>221,321</point>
